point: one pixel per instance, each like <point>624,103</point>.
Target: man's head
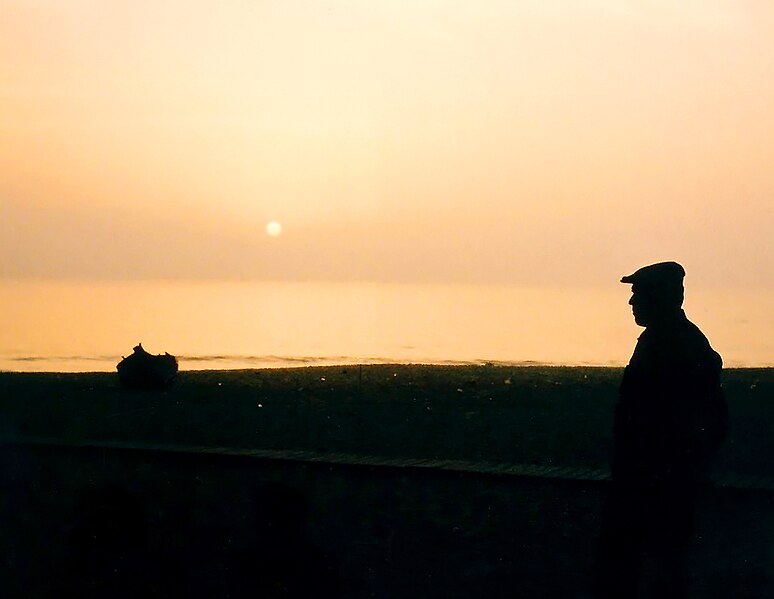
<point>657,292</point>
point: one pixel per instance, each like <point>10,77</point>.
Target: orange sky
<point>518,141</point>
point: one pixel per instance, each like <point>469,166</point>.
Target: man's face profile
<point>657,293</point>
<point>644,305</point>
<point>652,304</point>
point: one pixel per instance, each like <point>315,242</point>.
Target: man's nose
<point>631,301</point>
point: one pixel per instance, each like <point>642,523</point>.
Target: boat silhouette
<point>144,371</point>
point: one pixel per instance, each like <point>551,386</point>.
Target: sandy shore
<point>549,415</point>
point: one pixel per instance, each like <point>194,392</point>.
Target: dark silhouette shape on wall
<point>144,371</point>
<point>670,420</point>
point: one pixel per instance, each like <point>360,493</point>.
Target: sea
<point>88,326</point>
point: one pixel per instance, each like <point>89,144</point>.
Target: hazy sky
<point>533,141</point>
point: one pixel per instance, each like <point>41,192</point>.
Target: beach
<point>497,413</point>
<point>442,481</point>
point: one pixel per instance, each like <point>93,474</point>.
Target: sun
<point>274,229</point>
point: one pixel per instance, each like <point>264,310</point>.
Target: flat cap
<point>663,274</point>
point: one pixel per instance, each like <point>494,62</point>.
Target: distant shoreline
<point>281,362</point>
<point>396,364</point>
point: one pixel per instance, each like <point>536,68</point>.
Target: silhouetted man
<point>670,419</point>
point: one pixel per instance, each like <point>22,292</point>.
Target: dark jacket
<point>671,416</point>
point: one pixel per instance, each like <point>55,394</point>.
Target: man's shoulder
<point>681,343</point>
<point>687,351</point>
<point>694,339</point>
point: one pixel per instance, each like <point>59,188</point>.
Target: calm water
<point>87,327</point>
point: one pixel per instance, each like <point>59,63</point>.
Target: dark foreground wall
<point>130,523</point>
